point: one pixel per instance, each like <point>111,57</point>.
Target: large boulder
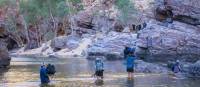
<point>111,46</point>
<point>176,41</point>
<point>4,56</point>
<point>144,67</point>
<point>191,69</point>
<point>70,42</point>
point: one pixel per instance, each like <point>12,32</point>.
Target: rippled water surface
<point>76,72</point>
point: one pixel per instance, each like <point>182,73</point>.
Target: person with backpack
<point>44,78</point>
<point>176,67</point>
<point>99,68</point>
<point>130,65</point>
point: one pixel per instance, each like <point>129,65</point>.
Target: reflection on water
<point>78,72</point>
<point>130,83</point>
<point>99,82</point>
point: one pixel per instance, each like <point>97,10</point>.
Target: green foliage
<point>34,9</point>
<point>7,2</point>
<point>75,3</point>
<point>11,24</point>
<point>62,9</point>
<point>126,8</point>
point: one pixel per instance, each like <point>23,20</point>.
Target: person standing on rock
<point>99,68</point>
<point>130,65</point>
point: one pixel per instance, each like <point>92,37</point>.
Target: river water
<point>77,72</point>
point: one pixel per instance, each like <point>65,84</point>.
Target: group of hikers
<point>129,55</point>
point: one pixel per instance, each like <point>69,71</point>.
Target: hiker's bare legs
<point>130,75</point>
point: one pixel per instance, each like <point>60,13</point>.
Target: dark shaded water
<point>76,72</point>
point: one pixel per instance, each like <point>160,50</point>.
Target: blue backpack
<point>99,65</point>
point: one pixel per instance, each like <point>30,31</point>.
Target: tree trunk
<point>70,16</point>
<point>53,19</point>
<point>64,25</point>
<point>54,24</point>
<point>26,29</point>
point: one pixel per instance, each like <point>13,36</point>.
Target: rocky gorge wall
<point>161,41</point>
<point>158,41</point>
<point>177,41</point>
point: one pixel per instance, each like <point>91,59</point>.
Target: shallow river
<point>76,72</point>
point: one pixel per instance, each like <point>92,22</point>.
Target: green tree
<point>127,10</point>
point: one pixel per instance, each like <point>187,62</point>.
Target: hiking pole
<point>43,61</point>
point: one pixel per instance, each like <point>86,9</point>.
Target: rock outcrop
<point>193,70</point>
<point>175,41</point>
<point>62,42</point>
<point>111,46</point>
<point>187,11</point>
<point>144,67</point>
<point>4,56</point>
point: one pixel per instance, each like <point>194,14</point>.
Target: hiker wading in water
<point>99,68</point>
<point>44,78</point>
<point>176,67</point>
<point>130,63</point>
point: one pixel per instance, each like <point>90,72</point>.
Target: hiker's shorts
<point>130,70</point>
<point>99,73</point>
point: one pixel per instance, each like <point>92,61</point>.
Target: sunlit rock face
<point>186,11</point>
<point>70,42</point>
<point>161,41</point>
<point>111,46</point>
<point>98,15</point>
<point>176,41</point>
<point>185,7</point>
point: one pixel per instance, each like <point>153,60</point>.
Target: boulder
<point>177,41</point>
<point>193,70</point>
<point>62,42</point>
<point>145,67</point>
<point>4,56</point>
<point>185,7</point>
<point>111,46</point>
